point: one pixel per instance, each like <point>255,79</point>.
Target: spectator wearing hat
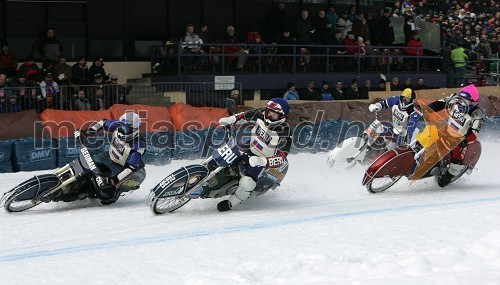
<point>80,72</point>
<point>385,28</point>
<point>50,91</point>
<point>291,92</point>
<point>97,79</point>
<point>116,94</point>
<point>50,49</point>
<point>12,105</point>
<point>22,91</point>
<point>97,67</point>
<point>8,64</point>
<point>309,93</point>
<point>352,48</point>
<point>325,94</point>
<point>344,25</point>
<point>30,68</point>
<point>338,61</point>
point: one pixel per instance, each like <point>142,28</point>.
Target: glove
<point>375,107</point>
<point>89,132</point>
<point>104,182</point>
<point>227,121</point>
<point>255,161</point>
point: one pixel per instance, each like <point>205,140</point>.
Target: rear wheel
<point>380,184</point>
<point>167,204</point>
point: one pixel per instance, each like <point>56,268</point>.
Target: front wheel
<point>380,184</point>
<point>167,204</point>
<point>28,194</point>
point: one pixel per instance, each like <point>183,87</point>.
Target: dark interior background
<point>126,29</point>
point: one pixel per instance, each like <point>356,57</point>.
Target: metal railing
<point>270,57</point>
<point>101,97</point>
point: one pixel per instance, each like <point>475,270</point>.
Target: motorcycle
<point>215,177</point>
<point>387,169</point>
<point>75,181</point>
<point>362,149</point>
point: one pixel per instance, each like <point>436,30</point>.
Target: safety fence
<point>219,58</point>
<point>102,97</point>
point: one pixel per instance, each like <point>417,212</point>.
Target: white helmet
<point>129,129</point>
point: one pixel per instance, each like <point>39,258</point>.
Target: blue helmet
<point>276,112</point>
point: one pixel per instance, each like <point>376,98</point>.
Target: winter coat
<point>82,104</point>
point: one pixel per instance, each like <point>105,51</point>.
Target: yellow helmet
<point>406,98</point>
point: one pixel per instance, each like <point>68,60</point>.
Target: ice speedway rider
<point>404,116</point>
<point>270,143</point>
<point>466,118</point>
<point>122,160</point>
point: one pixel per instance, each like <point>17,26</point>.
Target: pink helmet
<point>470,93</point>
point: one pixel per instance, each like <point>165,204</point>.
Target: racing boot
<point>245,188</point>
<point>453,170</point>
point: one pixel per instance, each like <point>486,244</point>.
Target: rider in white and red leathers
<point>465,119</point>
<point>270,143</point>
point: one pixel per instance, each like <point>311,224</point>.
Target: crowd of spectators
<point>355,90</point>
<point>357,37</point>
<point>56,85</point>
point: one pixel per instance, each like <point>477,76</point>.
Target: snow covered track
<point>318,228</point>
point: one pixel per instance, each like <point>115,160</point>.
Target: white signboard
<point>223,82</point>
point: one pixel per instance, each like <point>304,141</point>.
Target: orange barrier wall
<point>153,118</point>
<point>19,125</point>
<point>60,123</point>
<point>186,117</point>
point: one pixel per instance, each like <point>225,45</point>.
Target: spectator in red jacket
<point>352,49</point>
<point>414,48</point>
<point>234,49</point>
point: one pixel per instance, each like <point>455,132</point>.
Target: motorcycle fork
<point>59,173</point>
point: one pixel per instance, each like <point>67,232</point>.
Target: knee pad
<point>454,168</point>
<point>245,188</point>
